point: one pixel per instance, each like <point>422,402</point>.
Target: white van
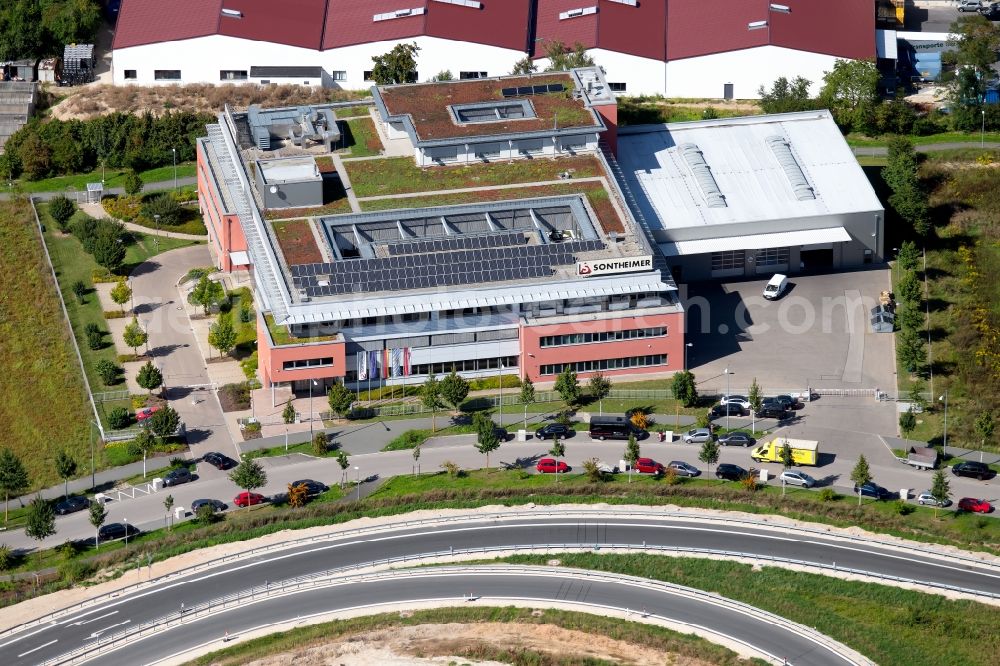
<point>776,286</point>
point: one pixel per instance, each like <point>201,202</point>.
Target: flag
<point>406,361</point>
<point>362,366</point>
<point>386,367</point>
<point>373,364</point>
<point>397,361</point>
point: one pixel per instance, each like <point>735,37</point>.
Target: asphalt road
<point>38,644</point>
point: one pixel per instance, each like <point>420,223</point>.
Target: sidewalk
<point>158,186</point>
<point>97,210</point>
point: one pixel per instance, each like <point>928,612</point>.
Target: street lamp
<point>500,383</point>
<point>125,520</point>
<point>727,373</point>
<point>312,383</point>
<point>944,399</point>
<point>174,151</point>
<point>982,130</point>
<point>90,432</point>
<point>686,347</point>
<point>895,251</point>
<point>156,239</point>
<point>357,471</point>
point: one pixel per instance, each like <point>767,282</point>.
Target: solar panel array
<point>437,269</point>
<point>526,91</point>
<point>446,244</point>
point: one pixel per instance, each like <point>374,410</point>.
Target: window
<point>616,87</point>
<point>772,256</point>
<point>607,364</point>
<point>469,365</point>
<point>130,74</point>
<point>167,74</point>
<point>264,82</point>
<point>339,75</point>
<point>728,260</point>
<point>307,363</point>
<point>368,75</point>
<point>472,75</point>
<point>233,75</point>
<point>601,336</point>
<point>489,150</point>
<point>491,112</point>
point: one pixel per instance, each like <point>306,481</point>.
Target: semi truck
<point>804,451</point>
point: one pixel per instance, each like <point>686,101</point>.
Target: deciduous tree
<point>132,183</point>
<point>249,476</point>
<point>134,336</point>
<point>164,422</point>
<point>568,387</point>
<point>222,334</point>
<point>527,396</point>
<point>984,426</point>
<point>940,489</point>
<point>562,57</point>
<point>684,388</point>
<point>486,435</point>
<point>61,209</point>
<point>860,475</point>
<point>397,66</point>
<point>13,477</point>
<point>344,463</point>
<point>709,453</point>
<point>907,422</point>
<point>786,96</point>
<point>149,377</point>
<point>850,91</point>
<point>631,454</point>
<point>600,387</point>
<point>340,399</point>
<point>430,397</point>
<point>109,252</point>
<point>41,522</point>
<point>288,413</point>
<point>121,293</point>
<point>557,451</point>
<point>524,66</point>
<point>98,514</point>
<point>454,388</point>
<point>65,467</point>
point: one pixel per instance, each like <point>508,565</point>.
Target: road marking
<point>21,638</point>
<point>906,558</point>
<point>37,648</point>
<point>98,633</point>
<point>101,617</point>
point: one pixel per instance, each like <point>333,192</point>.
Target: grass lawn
<point>280,335</point>
<point>112,178</point>
<point>337,206</point>
<point>353,111</point>
<point>860,140</point>
<point>886,624</point>
<point>400,175</point>
<point>41,372</point>
<point>361,138</point>
<point>191,224</point>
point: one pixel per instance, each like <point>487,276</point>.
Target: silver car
<point>927,498</point>
<point>683,469</point>
<point>697,436</point>
<point>797,478</point>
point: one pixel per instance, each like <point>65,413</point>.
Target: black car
<point>550,430</point>
<point>874,490</point>
<point>177,477</point>
<point>218,505</point>
<point>72,505</point>
<point>772,410</point>
<point>501,433</point>
<point>115,531</point>
<point>786,401</point>
<point>313,488</point>
<point>976,470</point>
<point>218,461</point>
<point>736,438</point>
<point>731,472</point>
<point>727,409</point>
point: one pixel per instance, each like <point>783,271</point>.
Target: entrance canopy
<point>755,241</point>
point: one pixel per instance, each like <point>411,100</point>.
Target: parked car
<point>115,531</point>
<point>969,5</point>
<point>927,498</point>
<point>550,466</point>
<point>776,286</point>
<point>550,430</point>
<point>731,472</point>
<point>797,478</point>
<point>786,401</point>
<point>313,488</point>
<point>972,468</point>
<point>218,461</point>
<point>501,433</point>
<point>606,468</point>
<point>873,490</point>
<point>649,466</point>
<point>683,469</point>
<point>740,400</point>
<point>974,505</point>
<point>726,409</point>
<point>248,499</point>
<point>772,410</point>
<point>697,436</point>
<point>177,476</point>
<point>72,505</point>
<point>736,438</point>
<point>144,413</point>
<point>218,505</point>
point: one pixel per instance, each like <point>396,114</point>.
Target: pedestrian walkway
<point>97,210</point>
<point>876,151</point>
<point>487,188</point>
<point>158,186</point>
<point>345,180</point>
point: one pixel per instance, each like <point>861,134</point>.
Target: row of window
<point>307,363</point>
<point>602,336</point>
<point>772,256</point>
<point>607,364</point>
<point>735,259</point>
<point>469,365</point>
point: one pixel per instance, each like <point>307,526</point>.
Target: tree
<point>168,504</point>
<point>756,402</point>
<point>132,183</point>
<point>205,514</point>
<point>524,66</point>
<point>786,96</point>
<point>109,252</point>
<point>222,335</point>
<point>908,256</point>
<point>119,418</point>
<point>860,475</point>
<point>910,350</point>
<point>443,75</point>
<point>430,397</point>
<point>684,388</point>
<point>288,413</point>
<point>709,453</point>
<point>249,476</point>
<point>320,445</point>
<point>36,157</point>
<point>344,463</point>
<point>98,514</point>
<point>850,91</point>
<point>206,293</point>
<point>486,435</point>
<point>984,428</point>
<point>631,454</point>
<point>568,387</point>
<point>973,45</point>
<point>901,163</point>
<point>149,377</point>
<point>786,454</point>
<point>911,203</point>
<point>557,451</point>
<point>397,66</point>
<point>527,396</point>
<point>79,290</point>
<point>21,30</point>
<point>41,523</point>
<point>907,422</point>
<point>562,57</point>
<point>340,399</point>
<point>454,388</point>
<point>61,209</point>
<point>134,336</point>
<point>416,458</point>
<point>65,468</point>
<point>908,289</point>
<point>121,293</point>
<point>145,442</point>
<point>164,422</point>
<point>940,489</point>
<point>13,477</point>
<point>297,495</point>
<point>169,211</point>
<point>600,387</point>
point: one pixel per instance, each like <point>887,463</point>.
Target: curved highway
<point>39,642</point>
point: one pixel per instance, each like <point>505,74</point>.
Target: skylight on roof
<point>578,12</point>
<point>782,150</point>
<point>399,13</point>
<point>702,173</point>
<point>630,3</point>
<point>472,4</point>
<point>232,13</point>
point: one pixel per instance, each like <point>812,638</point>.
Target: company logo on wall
<point>608,266</point>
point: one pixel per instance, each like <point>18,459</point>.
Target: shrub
<point>670,477</point>
<point>253,426</point>
<point>450,467</point>
<point>108,371</point>
<point>79,290</point>
<point>828,495</point>
<point>67,549</point>
<point>139,401</point>
<point>903,508</point>
<point>61,209</point>
<point>639,419</point>
<point>166,207</point>
<point>133,449</point>
<point>320,446</point>
<point>592,471</point>
<point>119,418</point>
<point>95,336</point>
<point>6,557</point>
<point>205,515</point>
<point>133,183</point>
<point>122,208</point>
<point>76,570</point>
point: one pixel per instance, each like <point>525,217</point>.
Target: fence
<point>109,396</point>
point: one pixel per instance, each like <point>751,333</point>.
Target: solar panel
<point>539,90</point>
<point>525,90</point>
<point>555,87</point>
<point>508,92</point>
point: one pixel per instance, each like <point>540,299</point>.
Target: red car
<point>649,466</point>
<point>144,413</point>
<point>549,466</point>
<point>974,505</point>
<point>248,499</point>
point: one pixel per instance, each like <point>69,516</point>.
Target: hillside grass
<point>112,178</point>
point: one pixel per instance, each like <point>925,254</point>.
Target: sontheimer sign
<point>607,266</point>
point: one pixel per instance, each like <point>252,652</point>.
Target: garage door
<point>771,260</point>
<point>728,263</point>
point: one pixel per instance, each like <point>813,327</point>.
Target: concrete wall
<point>466,153</point>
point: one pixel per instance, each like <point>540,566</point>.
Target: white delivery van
<point>776,286</point>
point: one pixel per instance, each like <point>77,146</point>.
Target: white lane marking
<point>37,648</point>
<point>21,638</point>
<point>977,572</point>
<point>100,617</point>
<point>98,633</point>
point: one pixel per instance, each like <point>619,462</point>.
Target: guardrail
<point>602,515</point>
<point>334,577</point>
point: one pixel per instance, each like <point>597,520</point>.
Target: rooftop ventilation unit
<point>702,173</point>
<point>399,13</point>
<point>630,3</point>
<point>793,171</point>
<point>472,4</point>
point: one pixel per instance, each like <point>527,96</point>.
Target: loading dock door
<point>816,259</point>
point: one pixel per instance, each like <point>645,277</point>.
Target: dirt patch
<point>448,643</point>
<point>234,397</point>
<point>297,242</point>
